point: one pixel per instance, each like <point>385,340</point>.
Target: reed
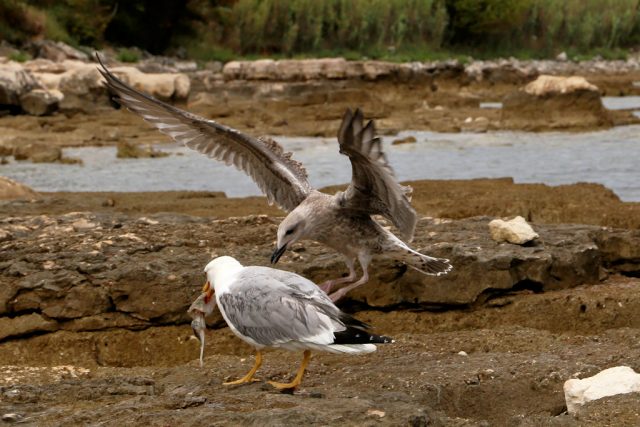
<point>297,26</point>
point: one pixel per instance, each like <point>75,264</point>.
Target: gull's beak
<point>278,253</point>
<point>208,290</point>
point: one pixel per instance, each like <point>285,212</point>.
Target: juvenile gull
<point>269,308</point>
<point>342,221</point>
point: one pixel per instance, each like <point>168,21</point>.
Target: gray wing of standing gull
<point>374,190</point>
<point>282,179</point>
<point>274,307</point>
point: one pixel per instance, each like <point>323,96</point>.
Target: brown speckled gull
<point>342,221</point>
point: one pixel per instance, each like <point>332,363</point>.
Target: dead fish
<point>201,307</point>
<point>198,325</point>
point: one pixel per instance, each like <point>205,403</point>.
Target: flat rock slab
<point>96,271</point>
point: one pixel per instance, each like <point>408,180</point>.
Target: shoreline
<point>454,199</point>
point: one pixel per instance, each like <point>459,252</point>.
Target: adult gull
<point>343,221</point>
<point>269,308</point>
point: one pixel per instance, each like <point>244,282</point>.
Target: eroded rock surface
<point>97,271</point>
<point>555,103</point>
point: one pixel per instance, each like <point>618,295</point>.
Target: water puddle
<point>491,105</point>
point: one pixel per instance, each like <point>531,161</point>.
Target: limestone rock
<point>80,82</point>
<point>80,301</point>
<point>129,150</point>
<point>38,153</point>
<point>406,140</point>
<point>555,103</point>
<point>477,125</point>
<point>56,51</point>
<point>162,85</point>
<point>22,325</point>
<point>10,190</point>
<point>546,85</point>
<point>118,269</point>
<point>516,231</point>
<point>14,82</point>
<point>610,382</point>
<point>41,102</point>
<point>620,250</point>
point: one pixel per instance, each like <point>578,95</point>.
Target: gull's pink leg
<point>364,263</point>
<point>329,284</point>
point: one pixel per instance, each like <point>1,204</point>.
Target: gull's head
<point>218,269</point>
<point>290,230</point>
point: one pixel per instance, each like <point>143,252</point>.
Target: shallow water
<point>609,102</point>
<point>608,157</point>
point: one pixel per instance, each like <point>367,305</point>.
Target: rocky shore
<point>58,98</point>
<point>95,288</point>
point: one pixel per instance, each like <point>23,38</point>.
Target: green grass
<point>127,55</point>
<point>20,56</point>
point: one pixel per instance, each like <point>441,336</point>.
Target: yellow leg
<point>298,379</point>
<point>249,377</point>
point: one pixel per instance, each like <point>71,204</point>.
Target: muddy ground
<point>520,346</point>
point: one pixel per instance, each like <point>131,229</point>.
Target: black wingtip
<point>358,336</point>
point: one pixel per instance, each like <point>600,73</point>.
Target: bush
<point>19,21</point>
<point>19,56</point>
<point>128,55</point>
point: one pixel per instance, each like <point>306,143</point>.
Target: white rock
<point>14,82</point>
<point>610,382</point>
<point>162,85</point>
<point>562,57</point>
<point>462,353</point>
<point>83,224</point>
<point>11,417</point>
<point>544,85</point>
<point>516,231</point>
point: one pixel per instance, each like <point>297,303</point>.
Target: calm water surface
<point>610,157</point>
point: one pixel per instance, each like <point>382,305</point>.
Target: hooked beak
<point>278,253</point>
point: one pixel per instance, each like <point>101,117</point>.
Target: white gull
<point>269,308</point>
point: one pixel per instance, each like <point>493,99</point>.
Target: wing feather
<point>374,189</point>
<point>274,307</point>
<point>282,179</point>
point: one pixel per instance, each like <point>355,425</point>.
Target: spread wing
<point>374,189</point>
<point>273,309</point>
<point>282,179</point>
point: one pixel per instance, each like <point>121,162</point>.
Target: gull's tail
<point>424,263</point>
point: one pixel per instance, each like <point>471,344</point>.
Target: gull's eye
<point>289,231</point>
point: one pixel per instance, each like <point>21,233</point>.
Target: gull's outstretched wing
<point>282,179</point>
<point>374,188</point>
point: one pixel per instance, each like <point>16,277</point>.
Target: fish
<point>201,307</point>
